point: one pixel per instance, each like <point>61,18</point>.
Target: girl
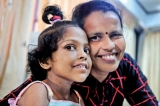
<point>61,58</point>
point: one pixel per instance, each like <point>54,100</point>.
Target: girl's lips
<point>81,65</point>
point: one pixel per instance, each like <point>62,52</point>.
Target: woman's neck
<point>99,75</point>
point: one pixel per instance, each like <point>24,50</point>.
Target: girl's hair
<point>82,10</point>
<point>47,41</point>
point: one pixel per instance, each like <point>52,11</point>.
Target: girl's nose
<point>82,55</point>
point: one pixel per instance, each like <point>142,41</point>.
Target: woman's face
<point>72,60</point>
<point>106,40</point>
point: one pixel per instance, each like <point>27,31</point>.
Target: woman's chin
<point>108,67</point>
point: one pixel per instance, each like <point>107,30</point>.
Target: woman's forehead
<point>99,15</point>
<point>97,21</point>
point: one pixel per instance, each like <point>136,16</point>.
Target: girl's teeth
<point>80,66</point>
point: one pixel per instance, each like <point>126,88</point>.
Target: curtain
<point>16,22</point>
<point>130,39</point>
<point>151,61</point>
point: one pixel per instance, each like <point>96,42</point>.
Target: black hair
<point>82,10</point>
<point>47,42</point>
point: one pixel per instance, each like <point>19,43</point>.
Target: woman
<point>114,74</point>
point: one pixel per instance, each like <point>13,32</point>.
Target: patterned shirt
<point>126,82</point>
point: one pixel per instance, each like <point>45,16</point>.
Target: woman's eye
<point>87,50</point>
<point>70,47</point>
<point>94,38</point>
<point>115,35</point>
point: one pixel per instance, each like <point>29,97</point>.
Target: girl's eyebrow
<point>75,41</point>
<point>72,40</point>
<point>96,33</point>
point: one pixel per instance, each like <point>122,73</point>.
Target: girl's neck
<point>99,75</point>
<point>60,87</point>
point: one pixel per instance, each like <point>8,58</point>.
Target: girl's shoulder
<point>36,93</point>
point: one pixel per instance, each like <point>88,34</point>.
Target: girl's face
<point>106,40</point>
<point>72,60</point>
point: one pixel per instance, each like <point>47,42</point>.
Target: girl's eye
<point>70,47</point>
<point>94,38</point>
<point>87,50</point>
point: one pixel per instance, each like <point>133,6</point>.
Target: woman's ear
<point>45,65</point>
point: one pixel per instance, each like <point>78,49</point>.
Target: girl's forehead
<point>74,34</point>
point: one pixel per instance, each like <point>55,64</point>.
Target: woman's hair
<point>47,41</point>
<point>82,10</point>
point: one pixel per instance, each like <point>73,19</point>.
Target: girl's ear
<point>45,65</point>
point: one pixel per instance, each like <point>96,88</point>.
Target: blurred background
<point>21,24</point>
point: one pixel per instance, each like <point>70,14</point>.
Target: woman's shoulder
<point>127,56</point>
<point>129,67</point>
<point>127,60</point>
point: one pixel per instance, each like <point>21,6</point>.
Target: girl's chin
<point>81,79</point>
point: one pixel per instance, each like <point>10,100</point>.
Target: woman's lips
<point>109,58</point>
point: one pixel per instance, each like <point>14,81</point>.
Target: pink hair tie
<point>54,19</point>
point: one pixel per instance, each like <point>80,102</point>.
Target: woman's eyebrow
<point>116,31</point>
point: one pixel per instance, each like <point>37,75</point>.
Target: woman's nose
<point>108,44</point>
